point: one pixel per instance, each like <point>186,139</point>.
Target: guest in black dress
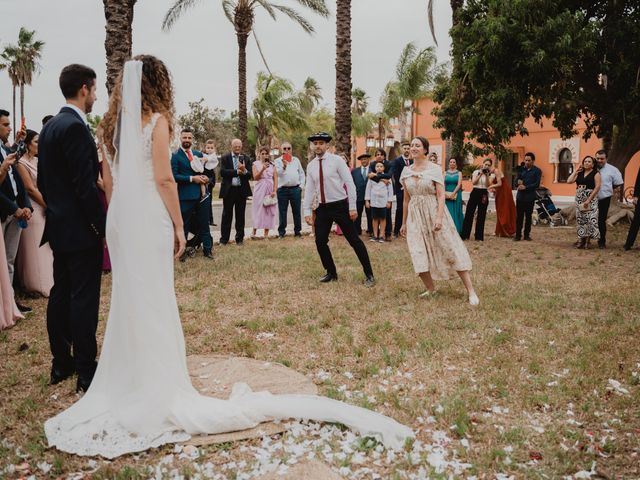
<point>587,180</point>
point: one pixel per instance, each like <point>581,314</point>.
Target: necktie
<point>235,162</point>
<point>406,162</point>
<point>322,199</point>
<point>364,172</point>
<point>189,155</point>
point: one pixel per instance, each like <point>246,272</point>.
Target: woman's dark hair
<point>425,143</point>
<point>73,77</point>
<point>488,160</point>
<point>31,134</point>
<point>381,150</point>
<point>264,149</point>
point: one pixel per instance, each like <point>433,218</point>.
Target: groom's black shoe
<point>329,277</point>
<point>58,375</point>
<point>208,255</point>
<point>83,384</point>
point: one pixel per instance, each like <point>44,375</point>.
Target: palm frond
<point>264,60</point>
<point>431,24</point>
<point>296,17</point>
<point>317,6</point>
<point>229,7</point>
<point>406,57</point>
<point>173,14</point>
<point>266,5</point>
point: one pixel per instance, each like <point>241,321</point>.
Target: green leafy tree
<point>362,122</point>
<point>276,109</point>
<point>567,60</point>
<point>416,74</point>
<point>310,96</point>
<point>22,63</point>
<point>241,13</point>
<point>209,123</point>
<point>93,121</point>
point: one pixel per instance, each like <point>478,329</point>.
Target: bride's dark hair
<point>157,97</point>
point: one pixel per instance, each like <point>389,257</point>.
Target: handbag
<point>268,201</point>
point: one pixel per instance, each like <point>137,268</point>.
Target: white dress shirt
<point>378,194</point>
<point>83,115</point>
<point>292,176</point>
<point>610,177</point>
<point>336,175</point>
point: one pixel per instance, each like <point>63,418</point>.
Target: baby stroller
<point>545,208</point>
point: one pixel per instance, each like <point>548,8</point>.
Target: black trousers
<point>361,208</point>
<point>399,212</point>
<point>633,229</point>
<point>195,216</point>
<point>478,199</point>
<point>603,213</point>
<point>524,210</point>
<point>338,212</point>
<point>72,311</point>
<point>233,202</point>
<point>388,226</point>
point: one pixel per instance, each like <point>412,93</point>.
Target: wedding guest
<point>188,174</point>
<point>385,177</point>
<point>587,179</point>
<point>327,174</point>
<point>46,118</point>
<point>433,157</point>
<point>635,223</point>
<point>235,170</point>
<point>210,163</point>
<point>453,193</point>
<point>434,244</point>
<point>15,205</point>
<point>263,211</point>
<point>378,197</point>
<point>527,181</point>
<point>35,263</point>
<point>360,179</point>
<point>290,184</point>
<point>479,199</point>
<point>505,205</point>
<point>611,181</point>
<point>397,166</point>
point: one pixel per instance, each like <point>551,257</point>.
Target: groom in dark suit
<point>194,206</point>
<point>75,228</point>
<point>235,170</point>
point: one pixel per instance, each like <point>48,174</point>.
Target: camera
<point>485,171</point>
<point>21,150</point>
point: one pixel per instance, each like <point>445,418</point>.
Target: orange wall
<point>537,142</point>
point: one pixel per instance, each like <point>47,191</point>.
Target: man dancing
<point>327,176</point>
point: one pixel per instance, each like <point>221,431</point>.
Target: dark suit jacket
<point>227,172</point>
<point>397,165</point>
<point>531,180</point>
<point>361,183</point>
<point>67,178</point>
<point>9,201</point>
<point>636,188</point>
<point>182,171</point>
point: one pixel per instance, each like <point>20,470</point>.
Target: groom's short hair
<point>73,77</point>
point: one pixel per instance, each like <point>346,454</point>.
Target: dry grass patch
<point>519,385</point>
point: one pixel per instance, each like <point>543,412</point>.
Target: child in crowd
<point>378,197</point>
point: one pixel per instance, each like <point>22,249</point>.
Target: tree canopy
<point>546,59</point>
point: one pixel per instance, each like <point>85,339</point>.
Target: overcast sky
<point>201,48</point>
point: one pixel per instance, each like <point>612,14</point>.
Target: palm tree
<point>362,122</point>
<point>21,62</point>
<point>241,13</point>
<point>10,64</point>
<point>118,39</point>
<point>416,73</point>
<point>276,109</point>
<point>343,76</point>
<point>310,96</point>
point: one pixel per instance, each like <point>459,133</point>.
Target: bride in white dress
<point>141,396</point>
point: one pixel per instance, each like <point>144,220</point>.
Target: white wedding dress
<point>141,396</point>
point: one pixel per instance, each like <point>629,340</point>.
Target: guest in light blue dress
<point>453,193</point>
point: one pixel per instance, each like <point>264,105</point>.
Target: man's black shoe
<point>329,277</point>
<point>298,235</point>
<point>83,383</point>
<point>208,255</point>
<point>369,281</point>
<point>601,246</point>
<point>528,239</point>
<point>516,239</point>
<point>58,375</point>
<point>23,308</point>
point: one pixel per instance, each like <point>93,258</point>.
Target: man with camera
<point>15,205</point>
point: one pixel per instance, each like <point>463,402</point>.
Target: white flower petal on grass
<point>616,386</point>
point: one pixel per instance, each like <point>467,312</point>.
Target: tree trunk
<point>624,147</point>
<point>242,87</point>
<point>14,113</point>
<point>457,139</point>
<point>21,102</point>
<point>118,40</point>
<point>343,76</point>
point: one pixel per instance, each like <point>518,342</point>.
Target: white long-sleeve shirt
<point>292,176</point>
<point>336,175</point>
<point>378,194</point>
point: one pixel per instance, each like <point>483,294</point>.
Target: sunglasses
<point>286,148</point>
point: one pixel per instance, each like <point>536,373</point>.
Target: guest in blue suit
<point>360,178</point>
<point>192,205</point>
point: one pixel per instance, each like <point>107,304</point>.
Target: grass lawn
<point>518,386</point>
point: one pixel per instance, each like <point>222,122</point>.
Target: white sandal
<point>427,294</point>
<point>474,300</point>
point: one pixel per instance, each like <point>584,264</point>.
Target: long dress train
<point>141,395</point>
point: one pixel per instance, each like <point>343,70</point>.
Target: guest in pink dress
<point>34,263</point>
<point>264,191</point>
<point>9,312</point>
